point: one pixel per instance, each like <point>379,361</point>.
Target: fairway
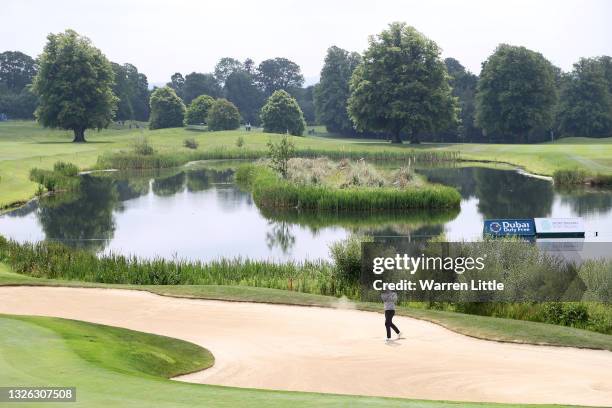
<point>25,145</point>
<point>251,349</point>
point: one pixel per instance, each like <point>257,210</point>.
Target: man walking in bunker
<point>389,298</point>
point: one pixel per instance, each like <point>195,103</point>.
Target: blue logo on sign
<point>512,227</point>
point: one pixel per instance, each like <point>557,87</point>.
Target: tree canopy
<point>332,92</point>
<point>167,109</point>
<point>225,67</point>
<point>282,114</point>
<point>516,93</point>
<point>197,84</point>
<point>278,73</point>
<point>242,91</point>
<point>586,99</point>
<point>197,111</point>
<point>223,115</point>
<point>132,89</point>
<point>16,70</point>
<point>464,84</point>
<point>401,86</point>
<point>74,85</point>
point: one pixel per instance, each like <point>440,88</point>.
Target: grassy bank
<point>107,372</point>
<point>25,145</point>
<point>572,177</point>
<point>270,191</point>
<point>483,327</point>
<point>57,261</point>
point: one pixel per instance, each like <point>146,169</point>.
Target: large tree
<point>305,98</point>
<point>401,86</point>
<point>74,84</point>
<point>586,99</point>
<point>197,84</point>
<point>282,114</point>
<point>225,67</point>
<point>464,84</point>
<point>167,109</point>
<point>516,93</point>
<point>332,92</point>
<point>242,91</point>
<point>16,70</point>
<point>278,73</point>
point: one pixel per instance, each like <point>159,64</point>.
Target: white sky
<point>163,37</point>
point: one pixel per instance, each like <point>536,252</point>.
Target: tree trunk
<point>79,136</point>
<point>397,138</point>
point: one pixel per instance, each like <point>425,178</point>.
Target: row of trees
<point>280,114</point>
<point>401,88</point>
<point>246,85</point>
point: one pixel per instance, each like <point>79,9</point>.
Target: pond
<point>197,212</point>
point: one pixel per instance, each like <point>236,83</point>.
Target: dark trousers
<point>389,322</point>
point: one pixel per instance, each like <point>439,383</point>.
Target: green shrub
<point>197,111</point>
<point>223,115</point>
<point>142,147</point>
<point>346,256</point>
<point>64,176</point>
<point>280,153</point>
<point>565,314</point>
<point>282,114</point>
<point>190,143</point>
<point>167,109</point>
<point>240,141</point>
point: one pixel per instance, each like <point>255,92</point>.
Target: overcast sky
<point>163,37</point>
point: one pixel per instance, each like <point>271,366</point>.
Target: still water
<point>198,212</point>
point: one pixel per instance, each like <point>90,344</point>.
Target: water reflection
<point>198,213</point>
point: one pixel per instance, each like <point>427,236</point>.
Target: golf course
<point>306,204</point>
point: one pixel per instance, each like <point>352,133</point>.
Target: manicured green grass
<point>24,145</point>
<point>118,367</point>
<point>483,327</point>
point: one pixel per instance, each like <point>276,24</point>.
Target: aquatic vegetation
<point>340,193</point>
<point>64,176</point>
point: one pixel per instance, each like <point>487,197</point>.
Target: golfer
<point>389,298</point>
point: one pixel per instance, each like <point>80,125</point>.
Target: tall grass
<point>132,160</point>
<point>62,177</point>
<point>269,191</point>
<point>56,261</point>
<point>579,176</point>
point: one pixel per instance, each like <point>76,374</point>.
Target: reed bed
<point>569,177</point>
<point>270,191</point>
<point>133,160</point>
<point>56,261</point>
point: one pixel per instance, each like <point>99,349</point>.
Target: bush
<point>64,176</point>
<point>280,153</point>
<point>565,314</point>
<point>346,255</point>
<point>142,147</point>
<point>240,141</point>
<point>223,115</point>
<point>190,143</point>
<point>282,114</point>
<point>197,112</point>
<point>167,109</point>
